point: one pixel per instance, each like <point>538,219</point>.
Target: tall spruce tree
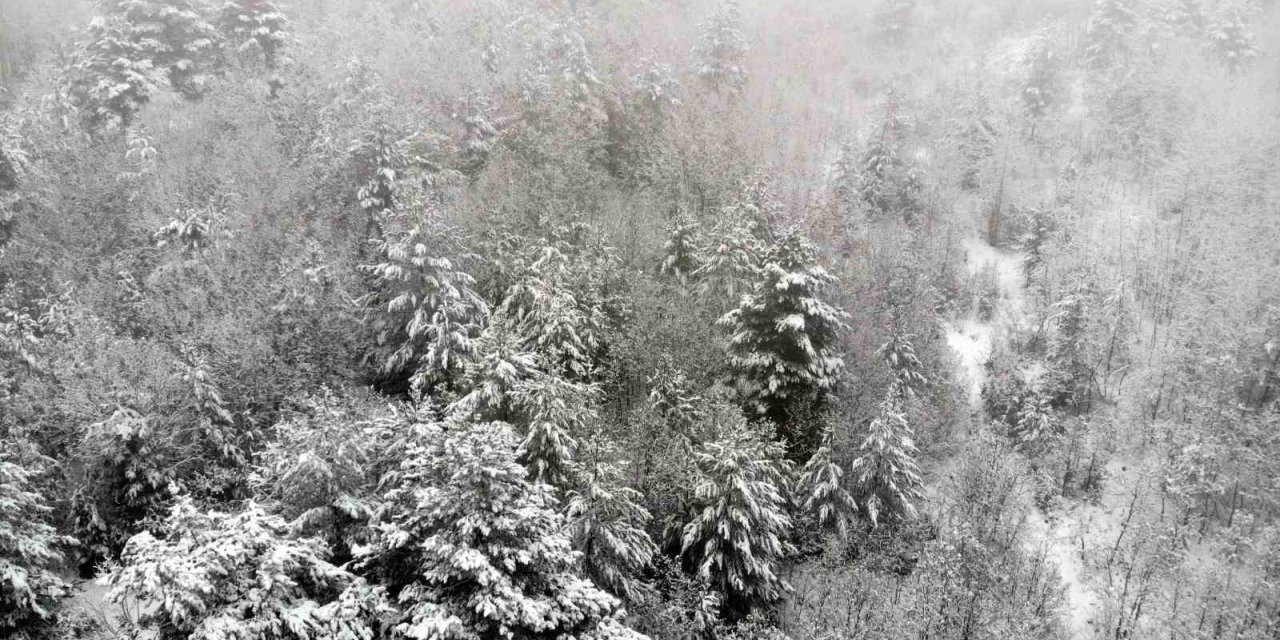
<point>885,475</point>
<point>722,50</point>
<point>738,536</point>
<point>30,586</point>
<point>113,76</point>
<point>176,36</point>
<point>1107,37</point>
<point>256,29</point>
<point>821,490</point>
<point>476,550</point>
<point>782,336</point>
<point>683,249</point>
<point>423,310</point>
<point>607,523</point>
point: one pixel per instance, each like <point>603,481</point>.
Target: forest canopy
<point>628,319</point>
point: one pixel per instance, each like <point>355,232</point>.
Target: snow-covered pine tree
<point>500,366</point>
<point>126,475</point>
<point>782,336</point>
<point>175,35</point>
<point>476,550</point>
<point>577,71</point>
<point>899,355</point>
<point>607,523</point>
<point>320,469</point>
<point>885,476</point>
<point>1036,423</point>
<point>112,76</point>
<point>1070,378</point>
<point>423,310</point>
<point>722,50</point>
<point>219,576</point>
<point>655,87</point>
<point>731,263</point>
<point>549,317</point>
<point>30,587</point>
<point>1039,226</point>
<point>738,536</point>
<point>381,156</point>
<point>257,29</point>
<point>554,413</point>
<point>1107,38</point>
<point>1232,39</point>
<point>821,490</point>
<point>673,398</point>
<point>480,134</point>
<point>880,166</point>
<point>684,249</point>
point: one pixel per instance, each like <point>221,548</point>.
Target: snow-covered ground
<point>972,338</point>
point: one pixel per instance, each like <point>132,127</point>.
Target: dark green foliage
<point>740,528</point>
<point>30,587</point>
<point>782,337</point>
<point>423,311</point>
<point>126,478</point>
<point>468,543</point>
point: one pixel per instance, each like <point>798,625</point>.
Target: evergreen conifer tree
<point>1107,38</point>
<point>730,264</point>
<point>885,475</point>
<point>113,76</point>
<point>219,576</point>
<point>607,523</point>
<point>423,310</point>
<point>176,37</point>
<point>554,413</point>
<point>476,550</point>
<point>30,587</point>
<point>899,355</point>
<point>821,489</point>
<point>782,336</point>
<point>254,28</point>
<point>684,249</point>
<point>738,536</point>
<point>549,317</point>
<point>722,50</point>
<point>1071,375</point>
